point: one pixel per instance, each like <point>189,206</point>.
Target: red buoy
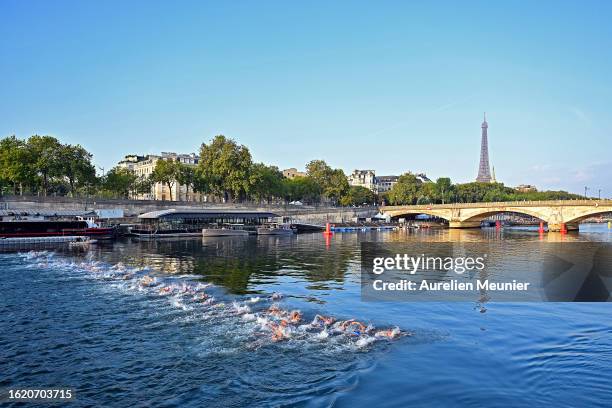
<point>327,229</point>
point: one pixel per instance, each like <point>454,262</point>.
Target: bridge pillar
<point>464,224</point>
<point>557,227</point>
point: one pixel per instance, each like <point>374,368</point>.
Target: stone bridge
<point>556,214</point>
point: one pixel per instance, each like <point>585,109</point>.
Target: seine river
<point>198,334</point>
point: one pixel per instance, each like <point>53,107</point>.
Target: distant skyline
<point>389,86</point>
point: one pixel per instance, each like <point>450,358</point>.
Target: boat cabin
<point>193,221</point>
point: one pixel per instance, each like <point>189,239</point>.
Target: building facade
<point>363,178</point>
<point>378,184</point>
<point>143,166</point>
<point>525,188</point>
<point>293,173</point>
<point>385,183</point>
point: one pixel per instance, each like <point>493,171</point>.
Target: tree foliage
<point>47,159</point>
<point>224,168</point>
<point>43,165</point>
<point>406,190</point>
<point>75,165</point>
<point>119,182</point>
<point>166,172</point>
<point>410,190</point>
<point>303,189</point>
<point>16,164</point>
<point>266,182</point>
<point>358,195</point>
<point>333,182</point>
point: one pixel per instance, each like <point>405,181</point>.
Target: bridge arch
<point>490,212</point>
<point>433,213</point>
<point>587,214</point>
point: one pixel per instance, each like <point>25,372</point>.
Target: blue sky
<point>390,86</point>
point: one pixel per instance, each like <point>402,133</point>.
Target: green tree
<point>483,192</point>
<point>444,190</point>
<point>186,176</point>
<point>406,190</point>
<point>427,193</point>
<point>16,164</point>
<point>333,182</point>
<point>224,168</point>
<point>338,185</point>
<point>266,182</point>
<point>76,166</point>
<point>358,195</point>
<point>142,185</point>
<point>119,182</point>
<point>319,171</point>
<point>166,172</point>
<point>303,189</point>
<point>47,161</point>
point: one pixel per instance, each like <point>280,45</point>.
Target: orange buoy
<point>328,230</point>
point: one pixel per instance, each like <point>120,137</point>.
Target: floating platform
<point>172,234</point>
<point>364,228</point>
<point>24,242</point>
<point>307,227</point>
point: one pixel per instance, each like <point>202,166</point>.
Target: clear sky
<point>389,86</point>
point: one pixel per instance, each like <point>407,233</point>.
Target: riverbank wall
<point>132,208</point>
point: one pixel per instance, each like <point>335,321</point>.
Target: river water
<point>84,320</point>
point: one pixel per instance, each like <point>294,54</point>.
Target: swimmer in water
<point>323,320</point>
<point>353,327</point>
<point>274,310</point>
<point>146,281</point>
<point>390,333</point>
<point>277,296</point>
<point>295,316</point>
<point>165,290</point>
<point>278,331</point>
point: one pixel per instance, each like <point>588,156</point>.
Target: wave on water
<point>249,322</point>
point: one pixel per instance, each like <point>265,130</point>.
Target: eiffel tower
<point>484,172</point>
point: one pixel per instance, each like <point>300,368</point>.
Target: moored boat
<point>28,228</point>
<point>226,230</point>
<point>275,229</point>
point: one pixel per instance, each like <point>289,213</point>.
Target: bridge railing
<point>552,203</point>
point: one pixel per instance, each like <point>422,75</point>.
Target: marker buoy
<point>327,229</point>
<point>541,229</point>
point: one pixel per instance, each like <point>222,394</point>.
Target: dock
<point>26,242</point>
